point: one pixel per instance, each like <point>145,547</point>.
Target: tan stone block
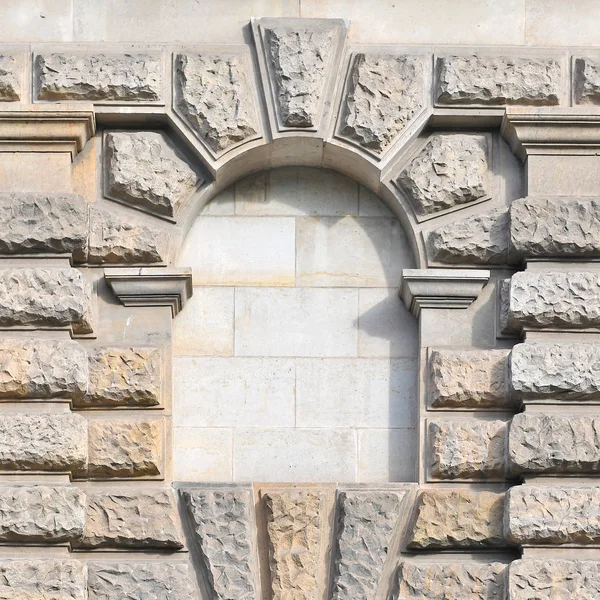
<point>33,579</point>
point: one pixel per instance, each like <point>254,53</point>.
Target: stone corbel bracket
<point>151,286</point>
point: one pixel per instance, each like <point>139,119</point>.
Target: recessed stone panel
<point>586,80</point>
<point>34,579</point>
<point>10,76</point>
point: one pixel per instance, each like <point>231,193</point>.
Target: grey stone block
<point>10,87</point>
<point>33,579</point>
<point>586,80</point>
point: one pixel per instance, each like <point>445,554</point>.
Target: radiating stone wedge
<point>10,76</point>
<point>586,80</point>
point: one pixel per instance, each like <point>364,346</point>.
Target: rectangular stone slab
<point>33,579</point>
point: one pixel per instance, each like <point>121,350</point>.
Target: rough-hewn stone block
<point>33,579</point>
<point>458,519</point>
<point>468,378</point>
<point>456,581</point>
<point>467,450</point>
<point>553,515</point>
<point>478,79</point>
<point>586,84</point>
<point>140,581</point>
<point>131,519</point>
<point>10,87</point>
<point>125,448</point>
<point>451,170</point>
<point>98,77</point>
<point>221,522</point>
<point>384,93</point>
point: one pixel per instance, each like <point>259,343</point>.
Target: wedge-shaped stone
<point>467,449</point>
<point>367,521</point>
<point>586,80</point>
<point>223,535</point>
<point>144,171</point>
<point>132,519</point>
<point>456,581</point>
<point>10,87</point>
<point>451,170</point>
<point>549,579</point>
<point>41,513</point>
<point>125,448</point>
<point>458,519</point>
<point>124,377</point>
<point>22,579</point>
<point>385,93</point>
<point>98,77</point>
<point>140,581</point>
<point>478,79</point>
<point>468,378</point>
<point>480,240</point>
<point>553,515</point>
<point>213,95</point>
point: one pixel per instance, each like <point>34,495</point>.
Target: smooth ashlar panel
<point>202,454</point>
<point>387,455</point>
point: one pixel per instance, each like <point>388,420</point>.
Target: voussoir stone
<point>451,170</point>
<point>385,93</point>
<point>586,74</point>
<point>475,79</point>
<point>468,378</point>
<point>455,581</point>
<point>213,95</point>
<point>144,171</point>
<point>367,521</point>
<point>10,87</point>
<point>223,535</point>
<point>97,77</point>
<point>139,581</point>
<point>458,519</point>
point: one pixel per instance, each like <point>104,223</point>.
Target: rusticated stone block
<point>140,581</point>
<point>10,88</point>
<point>553,515</point>
<point>213,95</point>
<point>467,449</point>
<point>468,378</point>
<point>481,240</point>
<point>556,371</point>
<point>457,581</point>
<point>478,79</point>
<point>451,170</point>
<point>98,77</point>
<point>294,529</point>
<point>221,522</point>
<point>22,579</point>
<point>549,579</point>
<point>125,448</point>
<point>458,519</point>
<point>550,443</point>
<point>131,519</point>
<point>384,93</point>
<point>41,513</point>
<point>586,73</point>
<point>367,521</point>
<point>124,377</point>
<point>144,171</point>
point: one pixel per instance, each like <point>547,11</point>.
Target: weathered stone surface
<point>299,60</point>
<point>458,581</point>
<point>125,448</point>
<point>113,240</point>
<point>556,371</point>
<point>367,521</point>
<point>42,580</point>
<point>586,73</point>
<point>553,515</point>
<point>294,529</point>
<point>551,443</point>
<point>97,77</point>
<point>49,297</point>
<point>143,170</point>
<point>450,170</point>
<point>497,80</point>
<point>140,581</point>
<point>41,513</point>
<point>42,368</point>
<point>467,449</point>
<point>10,88</point>
<point>384,93</point>
<point>480,240</point>
<point>213,95</point>
<point>554,579</point>
<point>124,377</point>
<point>132,519</point>
<point>567,300</point>
<point>468,378</point>
<point>221,522</point>
<point>458,519</point>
